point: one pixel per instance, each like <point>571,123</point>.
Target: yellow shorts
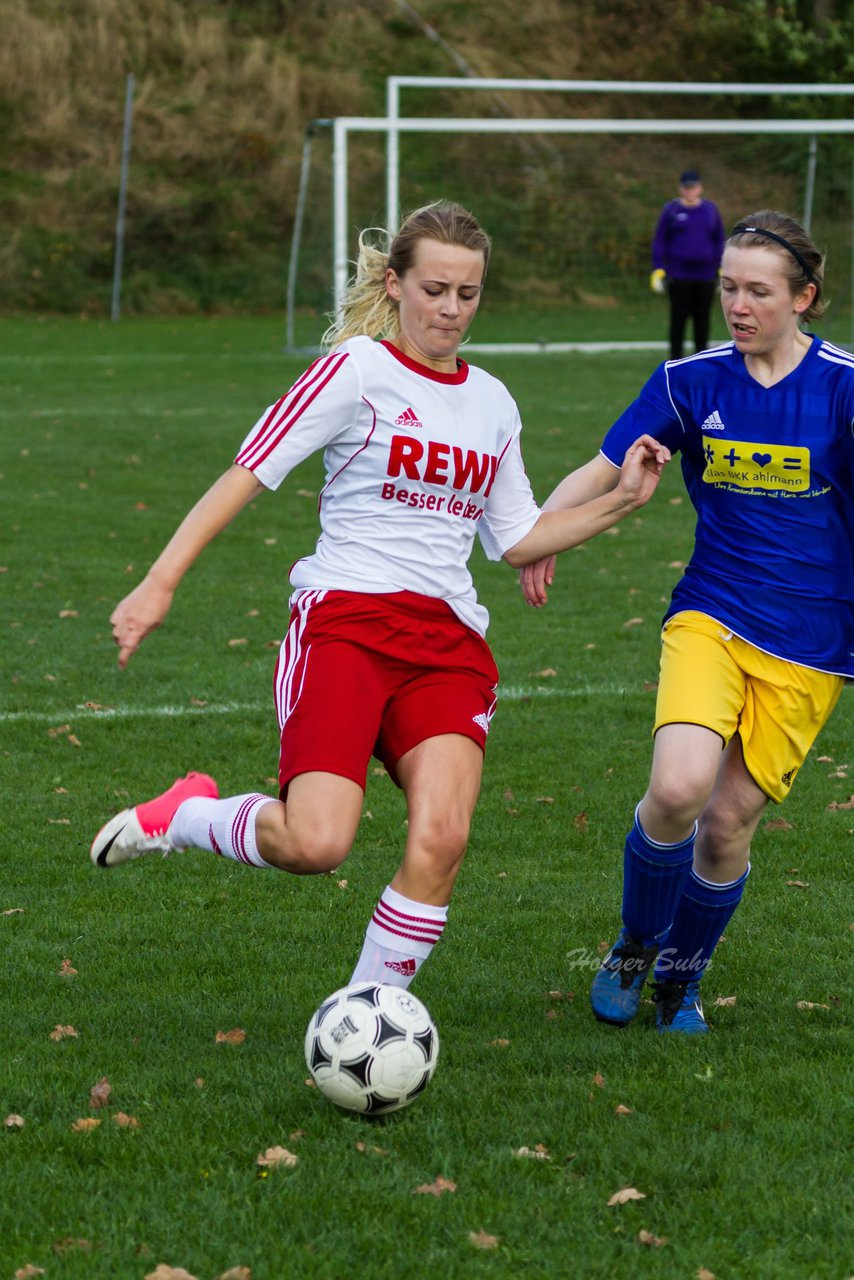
<point>715,679</point>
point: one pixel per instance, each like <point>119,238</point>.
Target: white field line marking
<point>512,693</point>
<point>103,411</point>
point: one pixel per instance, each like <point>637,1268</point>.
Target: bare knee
<point>441,841</point>
<point>674,801</point>
<point>725,832</point>
<point>306,848</point>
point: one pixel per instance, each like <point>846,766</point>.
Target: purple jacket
<point>689,242</point>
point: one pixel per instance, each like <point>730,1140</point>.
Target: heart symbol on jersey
<point>762,459</point>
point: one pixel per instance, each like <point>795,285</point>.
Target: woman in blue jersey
<point>759,635</point>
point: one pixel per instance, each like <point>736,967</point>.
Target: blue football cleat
<point>616,990</point>
<point>679,1008</point>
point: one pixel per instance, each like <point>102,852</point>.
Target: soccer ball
<point>371,1048</point>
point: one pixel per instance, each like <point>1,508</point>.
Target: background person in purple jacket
<point>686,255</point>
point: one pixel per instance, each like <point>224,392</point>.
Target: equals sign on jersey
<point>409,418</point>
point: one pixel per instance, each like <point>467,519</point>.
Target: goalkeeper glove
<point>656,281</point>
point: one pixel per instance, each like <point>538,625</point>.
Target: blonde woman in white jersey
<point>385,652</point>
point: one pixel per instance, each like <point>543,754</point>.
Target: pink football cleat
<point>145,829</point>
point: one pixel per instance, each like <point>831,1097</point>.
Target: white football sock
<point>398,940</point>
<point>227,827</point>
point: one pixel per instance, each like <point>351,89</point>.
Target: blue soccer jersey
<point>770,471</point>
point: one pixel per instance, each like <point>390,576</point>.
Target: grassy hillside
<point>224,93</point>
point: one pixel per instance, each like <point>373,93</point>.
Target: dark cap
<point>689,178</point>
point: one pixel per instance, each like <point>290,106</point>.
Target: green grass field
<point>740,1144</point>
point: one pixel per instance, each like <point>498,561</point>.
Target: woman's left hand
<point>641,470</point>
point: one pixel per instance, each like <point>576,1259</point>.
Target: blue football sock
<point>704,911</point>
<point>653,878</point>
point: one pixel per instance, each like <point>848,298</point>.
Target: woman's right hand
<point>534,578</point>
<point>138,614</point>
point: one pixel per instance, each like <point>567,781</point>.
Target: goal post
<point>572,200</point>
<point>396,84</point>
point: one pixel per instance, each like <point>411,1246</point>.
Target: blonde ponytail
<point>367,308</point>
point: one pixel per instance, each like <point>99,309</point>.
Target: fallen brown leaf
<point>74,740</point>
<point>14,1122</point>
<point>67,970</point>
<point>165,1272</point>
<point>482,1240</point>
<point>276,1158</point>
<point>622,1110</point>
<point>624,1195</point>
<point>85,1124</point>
<point>69,613</point>
<point>237,642</point>
<point>778,824</point>
<point>841,804</point>
<point>235,1036</point>
<point>99,1094</point>
<point>546,673</point>
<point>538,1153</point>
<point>13,911</point>
<point>810,1004</point>
<point>28,1272</point>
<point>725,1002</point>
<point>60,1033</point>
<point>798,884</point>
<point>704,1274</point>
<point>500,1043</point>
<point>646,1237</point>
<point>60,729</point>
<point>437,1188</point>
<point>599,1080</point>
<point>377,1151</point>
<point>236,1273</point>
<point>69,1243</point>
<point>124,1121</point>
<point>580,821</point>
<point>633,622</point>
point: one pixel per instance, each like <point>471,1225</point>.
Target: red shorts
<point>361,675</point>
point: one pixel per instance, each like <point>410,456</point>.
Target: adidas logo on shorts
<point>483,721</point>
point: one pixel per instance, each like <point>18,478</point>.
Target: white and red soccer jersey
<point>416,462</point>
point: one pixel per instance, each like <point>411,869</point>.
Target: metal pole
<point>115,310</point>
<point>809,193</point>
<point>296,238</point>
<point>392,174</point>
<point>339,185</point>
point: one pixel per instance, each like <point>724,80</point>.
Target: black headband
<point>772,235</point>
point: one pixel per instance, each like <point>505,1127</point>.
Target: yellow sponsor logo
<point>756,466</point>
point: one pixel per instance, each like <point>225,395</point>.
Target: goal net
<point>572,214</point>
